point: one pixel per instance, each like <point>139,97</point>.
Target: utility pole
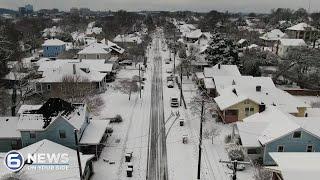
<point>174,54</point>
<point>200,141</point>
<point>181,84</point>
<point>140,80</point>
<point>78,153</point>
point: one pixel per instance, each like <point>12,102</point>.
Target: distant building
<point>303,31</point>
<point>53,47</point>
<point>74,10</point>
<point>287,46</point>
<point>84,11</point>
<point>29,8</point>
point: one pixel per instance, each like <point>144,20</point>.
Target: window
<point>32,135</point>
<point>297,134</point>
<point>309,148</point>
<point>247,111</point>
<point>251,110</point>
<point>98,56</point>
<point>246,102</point>
<point>62,134</point>
<point>48,87</point>
<point>280,148</point>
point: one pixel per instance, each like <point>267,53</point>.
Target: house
<point>10,137</point>
<point>241,96</point>
<point>131,39</point>
<point>295,166</point>
<point>272,37</point>
<point>60,74</point>
<point>303,31</point>
<point>37,172</point>
<point>53,47</point>
<point>273,130</point>
<point>288,46</point>
<point>242,43</point>
<point>95,51</point>
<point>115,49</point>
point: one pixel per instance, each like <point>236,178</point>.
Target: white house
<point>303,31</point>
<point>95,51</point>
<point>288,46</point>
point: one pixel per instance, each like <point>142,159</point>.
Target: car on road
<point>126,62</point>
<point>170,84</point>
<point>167,61</point>
<point>169,70</point>
<point>174,102</point>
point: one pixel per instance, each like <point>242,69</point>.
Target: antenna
<point>309,7</point>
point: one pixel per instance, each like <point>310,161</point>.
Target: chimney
<point>258,88</point>
<point>262,107</point>
<point>219,66</point>
<point>74,69</point>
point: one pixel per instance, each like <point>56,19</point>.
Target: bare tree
<point>261,173</point>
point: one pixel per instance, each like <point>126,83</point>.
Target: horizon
<point>245,6</point>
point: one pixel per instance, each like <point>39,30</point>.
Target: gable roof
<point>273,35</point>
<point>224,70</point>
<point>46,146</point>
<point>245,88</point>
<point>53,109</point>
<point>87,70</point>
<point>302,27</point>
<point>95,48</point>
<point>53,42</point>
<point>296,166</point>
<point>274,124</point>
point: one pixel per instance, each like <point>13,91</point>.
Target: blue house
<point>53,47</point>
<point>275,131</point>
<point>56,120</point>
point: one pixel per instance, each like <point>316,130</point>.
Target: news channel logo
<point>14,161</point>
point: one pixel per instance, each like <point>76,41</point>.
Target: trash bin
<point>128,157</point>
<point>181,122</point>
<point>130,165</point>
<point>184,139</point>
<point>129,172</point>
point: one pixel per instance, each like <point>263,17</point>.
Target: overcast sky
<point>171,5</point>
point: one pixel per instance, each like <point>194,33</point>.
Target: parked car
<point>126,62</point>
<point>174,102</point>
<point>170,78</point>
<point>170,84</point>
<point>167,61</point>
<point>169,70</point>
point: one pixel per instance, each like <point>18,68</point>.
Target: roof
<point>273,124</point>
<point>94,132</point>
<point>200,75</point>
<point>273,35</point>
<point>224,70</point>
<point>132,38</point>
<point>53,42</point>
<point>194,34</point>
<point>95,48</point>
<point>208,83</point>
<point>8,127</point>
<point>241,41</point>
<point>296,166</point>
<point>302,27</point>
<point>245,88</point>
<point>46,146</point>
<point>53,109</point>
<point>293,42</point>
<point>88,70</point>
<point>26,107</point>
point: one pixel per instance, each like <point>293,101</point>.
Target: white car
<point>170,84</point>
<point>169,70</point>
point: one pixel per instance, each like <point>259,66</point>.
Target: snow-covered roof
<point>131,38</point>
<point>53,42</point>
<point>241,41</point>
<point>89,70</point>
<point>95,48</point>
<point>53,31</point>
<point>273,35</point>
<point>297,165</point>
<point>293,42</point>
<point>46,146</point>
<point>194,34</point>
<point>94,132</point>
<point>302,27</point>
<point>208,83</point>
<point>25,107</point>
<point>8,127</point>
<point>224,70</point>
<point>273,123</point>
<point>34,120</point>
<point>199,75</point>
<point>235,89</point>
<point>113,46</point>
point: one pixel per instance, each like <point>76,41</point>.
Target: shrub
<point>236,154</point>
